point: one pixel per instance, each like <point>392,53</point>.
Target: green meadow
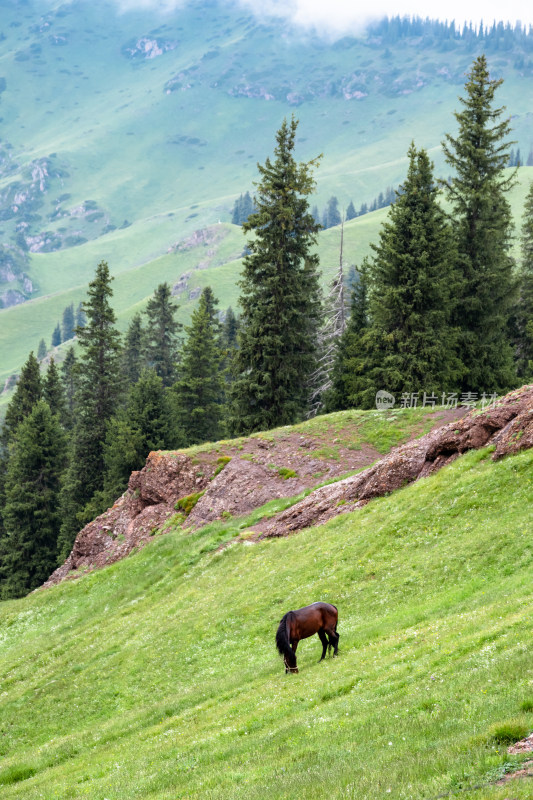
<point>158,677</point>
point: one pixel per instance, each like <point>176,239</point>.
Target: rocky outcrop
<point>508,426</point>
<point>234,478</point>
<point>144,508</point>
<point>239,489</point>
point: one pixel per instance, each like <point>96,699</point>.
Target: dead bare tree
<point>329,336</point>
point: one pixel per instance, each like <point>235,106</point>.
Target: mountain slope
<point>209,257</point>
<point>148,125</point>
<point>158,677</point>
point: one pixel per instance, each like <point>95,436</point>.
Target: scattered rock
<point>523,746</point>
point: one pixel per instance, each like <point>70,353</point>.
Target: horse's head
<point>288,667</point>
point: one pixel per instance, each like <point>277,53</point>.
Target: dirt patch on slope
<point>526,767</point>
<point>259,468</point>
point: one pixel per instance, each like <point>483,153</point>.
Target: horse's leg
<point>294,645</point>
<point>333,638</point>
<point>324,639</point>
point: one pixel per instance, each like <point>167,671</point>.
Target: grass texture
<point>158,677</point>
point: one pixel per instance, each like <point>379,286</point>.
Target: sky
<point>345,16</point>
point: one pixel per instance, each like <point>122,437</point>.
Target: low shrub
<point>508,732</point>
<point>186,504</point>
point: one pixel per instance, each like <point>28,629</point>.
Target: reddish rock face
<point>245,484</point>
<point>146,505</point>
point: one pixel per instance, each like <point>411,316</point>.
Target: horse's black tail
<point>283,641</point>
<point>330,644</point>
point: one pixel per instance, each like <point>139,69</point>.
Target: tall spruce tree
<point>56,336</point>
<point>98,395</point>
<point>483,225</point>
<point>133,358</point>
<point>67,328</point>
<point>524,312</point>
<point>69,381</point>
<point>229,343</point>
<point>280,296</point>
<point>230,330</point>
<point>28,549</point>
<point>27,393</point>
<point>332,214</point>
<point>162,334</point>
<point>410,345</point>
<point>145,424</point>
<point>41,352</point>
<point>200,389</point>
<point>81,318</point>
<point>53,391</point>
<point>351,213</point>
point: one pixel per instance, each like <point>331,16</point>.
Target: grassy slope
<point>158,677</point>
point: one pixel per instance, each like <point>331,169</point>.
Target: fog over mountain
<point>343,16</point>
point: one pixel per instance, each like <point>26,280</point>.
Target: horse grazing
<point>318,618</point>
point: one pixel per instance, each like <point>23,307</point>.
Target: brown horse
<point>318,618</point>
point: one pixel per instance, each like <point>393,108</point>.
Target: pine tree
<point>237,213</point>
<point>41,352</point>
<point>482,222</point>
<point>145,424</point>
<point>280,297</point>
<point>200,389</point>
<point>211,304</point>
<point>230,330</point>
<point>332,215</point>
<point>28,392</point>
<point>28,550</point>
<point>68,323</point>
<point>351,213</point>
<point>133,359</point>
<point>524,313</point>
<point>69,381</point>
<point>26,395</point>
<point>81,319</point>
<point>242,208</point>
<point>99,390</point>
<point>53,392</point>
<point>247,207</point>
<point>411,343</point>
<point>316,216</point>
<point>162,334</point>
<point>56,336</point>
<point>229,344</point>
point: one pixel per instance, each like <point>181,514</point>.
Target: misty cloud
<point>348,16</point>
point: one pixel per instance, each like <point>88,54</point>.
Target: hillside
<point>123,133</point>
<point>157,677</point>
<point>210,256</point>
